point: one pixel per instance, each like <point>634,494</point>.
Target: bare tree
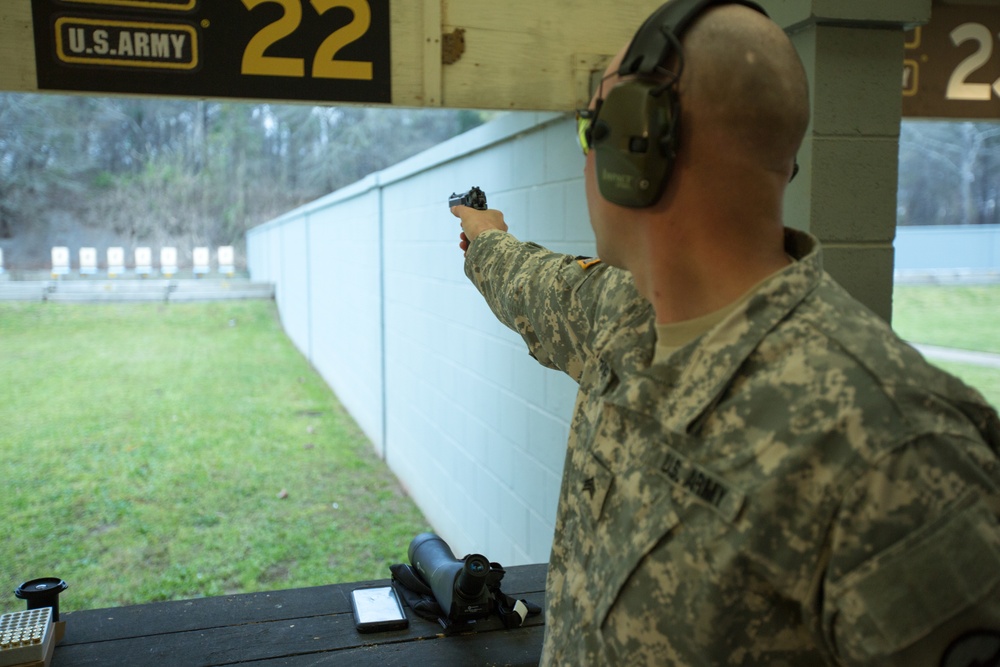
<point>187,173</point>
<point>948,173</point>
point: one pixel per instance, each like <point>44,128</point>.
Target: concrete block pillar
<point>845,193</point>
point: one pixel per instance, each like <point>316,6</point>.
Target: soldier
<point>759,471</point>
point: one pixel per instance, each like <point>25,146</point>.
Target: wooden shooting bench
<point>303,626</point>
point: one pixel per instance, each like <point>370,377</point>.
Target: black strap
<point>420,598</point>
<point>512,612</point>
<point>416,594</point>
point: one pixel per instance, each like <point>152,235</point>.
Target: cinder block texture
<point>372,290</point>
<point>846,193</point>
<point>865,270</point>
<point>854,182</point>
<point>858,74</point>
<point>795,13</point>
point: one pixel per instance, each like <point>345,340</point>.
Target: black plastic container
<point>41,593</point>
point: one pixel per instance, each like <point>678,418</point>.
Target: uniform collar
<point>695,376</point>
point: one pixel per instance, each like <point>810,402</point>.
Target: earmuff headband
<point>650,48</point>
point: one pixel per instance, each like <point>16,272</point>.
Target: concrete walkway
<point>934,352</point>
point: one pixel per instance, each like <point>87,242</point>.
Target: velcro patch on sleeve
<point>907,591</point>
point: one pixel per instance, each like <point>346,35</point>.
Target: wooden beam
<point>432,53</point>
<point>518,54</point>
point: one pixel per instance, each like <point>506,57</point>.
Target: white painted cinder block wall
<point>370,287</point>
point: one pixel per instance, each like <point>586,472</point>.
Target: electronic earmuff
<point>635,141</point>
<point>635,132</point>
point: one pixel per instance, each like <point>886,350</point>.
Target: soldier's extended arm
<point>548,298</point>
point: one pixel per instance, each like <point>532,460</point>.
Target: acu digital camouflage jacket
<point>795,487</point>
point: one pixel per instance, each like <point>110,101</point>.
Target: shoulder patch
<point>587,262</point>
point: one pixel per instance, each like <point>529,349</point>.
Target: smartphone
<point>377,608</point>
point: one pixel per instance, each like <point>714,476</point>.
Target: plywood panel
<point>521,54</point>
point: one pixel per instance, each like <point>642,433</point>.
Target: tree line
<point>142,171</point>
<point>949,173</point>
<point>138,171</point>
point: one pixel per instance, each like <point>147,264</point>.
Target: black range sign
<point>952,65</point>
<point>315,50</point>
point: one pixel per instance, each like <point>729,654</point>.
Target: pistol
<point>474,198</point>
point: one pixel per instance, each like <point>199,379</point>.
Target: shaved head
<point>743,98</point>
<point>744,81</point>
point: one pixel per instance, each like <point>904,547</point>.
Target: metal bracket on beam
<point>588,70</point>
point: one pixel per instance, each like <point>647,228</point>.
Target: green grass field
<point>155,452</point>
<point>966,317</point>
<point>962,316</point>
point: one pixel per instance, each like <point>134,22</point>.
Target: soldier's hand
<point>475,222</point>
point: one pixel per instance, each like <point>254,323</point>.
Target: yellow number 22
<point>325,63</point>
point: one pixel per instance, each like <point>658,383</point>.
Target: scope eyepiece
<point>472,579</point>
<point>459,586</point>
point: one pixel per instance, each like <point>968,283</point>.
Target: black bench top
<point>295,627</point>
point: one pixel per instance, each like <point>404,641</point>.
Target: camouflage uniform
<point>794,487</point>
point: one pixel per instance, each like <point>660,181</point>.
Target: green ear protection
<point>635,129</point>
